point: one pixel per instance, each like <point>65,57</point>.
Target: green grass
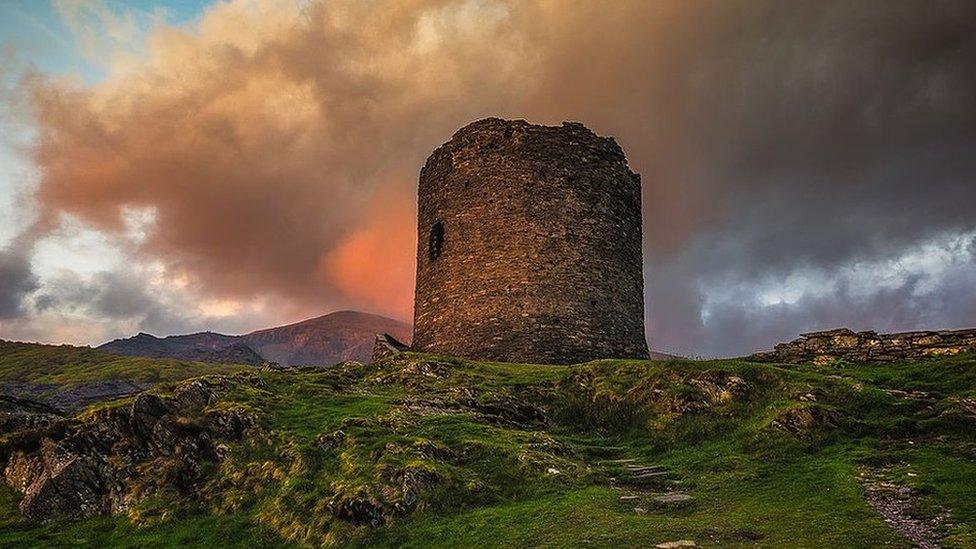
<point>187,528</point>
<point>754,485</point>
<point>64,364</point>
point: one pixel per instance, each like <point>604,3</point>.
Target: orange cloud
<point>374,266</point>
<point>263,139</point>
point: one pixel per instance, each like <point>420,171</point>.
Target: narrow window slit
<point>436,241</point>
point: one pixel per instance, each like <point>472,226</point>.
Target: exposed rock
<point>676,544</point>
<point>842,344</point>
<point>803,421</point>
<point>499,408</point>
<point>720,386</point>
<point>92,465</point>
<point>387,346</point>
<point>19,413</point>
<point>73,398</point>
<point>361,511</point>
<point>895,505</point>
<point>57,483</point>
<point>414,372</point>
<point>329,441</point>
<point>414,481</point>
<point>717,387</point>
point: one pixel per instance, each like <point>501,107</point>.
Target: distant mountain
<point>344,335</point>
<point>322,341</point>
<point>204,347</point>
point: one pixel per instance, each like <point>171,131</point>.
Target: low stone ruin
<point>869,347</point>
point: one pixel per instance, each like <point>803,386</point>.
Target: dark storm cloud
<point>779,137</point>
<point>130,297</point>
<point>735,327</point>
<point>849,129</point>
<point>279,151</point>
<point>106,295</point>
<point>730,316</point>
<point>16,281</point>
<point>834,133</point>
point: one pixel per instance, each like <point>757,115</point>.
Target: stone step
<point>650,475</point>
<point>676,544</point>
<point>646,469</point>
<point>673,497</point>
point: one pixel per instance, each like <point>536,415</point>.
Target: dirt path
<point>894,504</point>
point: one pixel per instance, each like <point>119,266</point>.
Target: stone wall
<point>529,246</point>
<point>869,347</point>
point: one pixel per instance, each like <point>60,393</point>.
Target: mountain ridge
<point>318,341</point>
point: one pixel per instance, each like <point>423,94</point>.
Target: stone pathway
<point>645,486</point>
<point>894,504</point>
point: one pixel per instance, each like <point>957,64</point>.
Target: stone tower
<point>529,246</point>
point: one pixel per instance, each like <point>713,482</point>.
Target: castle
<point>529,246</point>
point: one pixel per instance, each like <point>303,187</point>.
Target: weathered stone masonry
<point>869,347</point>
<point>529,246</point>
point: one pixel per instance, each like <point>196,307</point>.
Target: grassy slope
<point>64,364</point>
<point>754,486</point>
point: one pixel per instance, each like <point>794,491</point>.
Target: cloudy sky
<point>188,164</point>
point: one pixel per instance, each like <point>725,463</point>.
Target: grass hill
<point>70,378</point>
<point>66,365</point>
<point>422,451</point>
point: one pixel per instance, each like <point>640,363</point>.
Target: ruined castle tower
<point>529,246</point>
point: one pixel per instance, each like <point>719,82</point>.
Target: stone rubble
<point>869,347</point>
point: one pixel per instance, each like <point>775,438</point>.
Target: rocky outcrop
<point>19,413</point>
<point>99,463</point>
<point>869,347</point>
<point>72,398</point>
<point>806,421</point>
<point>387,346</point>
<point>500,408</point>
